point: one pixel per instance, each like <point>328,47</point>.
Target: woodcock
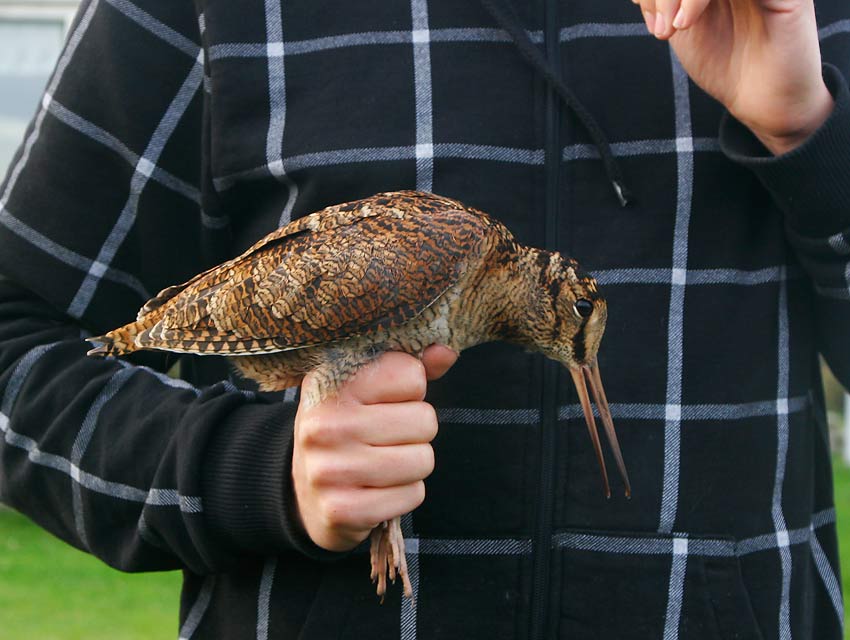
<point>400,271</point>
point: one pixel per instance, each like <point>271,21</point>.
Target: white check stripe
<point>675,327</point>
<point>407,616</point>
<point>827,576</point>
<point>84,436</point>
<point>422,87</point>
<point>264,594</point>
<point>157,28</point>
<point>460,150</point>
<point>676,589</point>
<point>140,178</point>
<point>275,51</point>
<point>196,613</point>
<point>625,411</point>
<point>783,426</point>
<point>153,497</point>
<point>109,141</point>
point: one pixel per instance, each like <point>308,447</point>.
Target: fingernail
<point>649,18</point>
<point>679,20</point>
<point>660,24</point>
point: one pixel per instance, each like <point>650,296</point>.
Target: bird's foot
<point>388,558</point>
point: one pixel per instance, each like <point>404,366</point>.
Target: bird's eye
<point>584,307</point>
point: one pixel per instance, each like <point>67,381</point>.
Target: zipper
<point>549,392</point>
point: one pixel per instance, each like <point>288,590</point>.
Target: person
<point>174,135</point>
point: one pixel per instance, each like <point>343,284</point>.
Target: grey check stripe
<point>264,595</point>
<point>20,374</point>
<point>766,275</point>
<point>84,436</point>
<point>109,141</point>
<point>839,244</point>
<point>407,615</point>
<point>655,146</point>
<point>782,437</point>
<point>700,412</point>
<point>446,35</point>
<point>675,340</point>
<point>143,171</point>
<point>196,613</point>
<point>716,547</point>
<point>624,411</point>
<point>827,575</point>
<point>631,545</point>
<point>823,518</point>
<point>604,30</point>
<point>275,52</point>
<point>841,26</point>
<point>171,498</point>
<point>422,86</point>
<point>473,547</point>
<point>453,150</point>
<point>836,293</point>
<point>162,31</point>
<point>675,327</point>
<point>383,154</point>
<point>168,381</point>
<point>71,258</point>
<point>156,497</point>
<point>676,589</point>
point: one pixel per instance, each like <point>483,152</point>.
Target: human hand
<point>360,458</point>
<point>760,58</point>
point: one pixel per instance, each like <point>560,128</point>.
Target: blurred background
<point>49,590</point>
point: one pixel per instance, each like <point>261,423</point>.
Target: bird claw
<point>387,557</point>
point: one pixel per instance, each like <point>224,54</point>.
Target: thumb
<point>437,360</point>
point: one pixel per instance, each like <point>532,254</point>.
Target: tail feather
<point>115,343</point>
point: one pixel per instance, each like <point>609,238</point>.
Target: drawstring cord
<point>508,20</point>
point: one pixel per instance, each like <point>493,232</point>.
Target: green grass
<point>51,591</point>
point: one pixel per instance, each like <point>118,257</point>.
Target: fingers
<point>688,13</point>
<point>360,511</point>
<point>369,467</point>
<point>327,427</point>
<point>393,377</point>
<point>664,17</point>
<point>438,359</point>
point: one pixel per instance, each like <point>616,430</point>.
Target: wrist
<point>797,125</point>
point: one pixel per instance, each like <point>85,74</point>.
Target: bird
<point>331,291</point>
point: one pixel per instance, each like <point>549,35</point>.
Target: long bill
<point>588,375</point>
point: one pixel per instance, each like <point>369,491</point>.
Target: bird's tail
<point>115,343</point>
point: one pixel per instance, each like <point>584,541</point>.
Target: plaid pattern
<point>172,136</point>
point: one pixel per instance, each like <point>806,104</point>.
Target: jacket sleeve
<point>811,185</point>
<point>106,202</point>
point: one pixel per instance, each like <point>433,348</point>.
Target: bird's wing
<point>341,273</point>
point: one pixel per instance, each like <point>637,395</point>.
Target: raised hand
<point>760,58</point>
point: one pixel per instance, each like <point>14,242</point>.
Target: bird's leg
<point>387,556</point>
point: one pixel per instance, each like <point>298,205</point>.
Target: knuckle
<point>320,430</point>
<point>336,512</point>
<point>331,472</point>
<point>418,494</point>
<point>427,459</point>
<point>429,421</point>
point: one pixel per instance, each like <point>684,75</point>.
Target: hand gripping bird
<point>331,291</point>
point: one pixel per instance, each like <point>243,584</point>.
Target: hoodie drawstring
<point>506,17</point>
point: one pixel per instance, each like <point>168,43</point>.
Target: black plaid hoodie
<point>174,135</point>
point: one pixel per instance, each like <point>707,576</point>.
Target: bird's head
<point>570,320</point>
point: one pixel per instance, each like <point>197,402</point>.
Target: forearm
<point>110,457</point>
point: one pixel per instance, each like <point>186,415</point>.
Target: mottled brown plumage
<point>398,271</point>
